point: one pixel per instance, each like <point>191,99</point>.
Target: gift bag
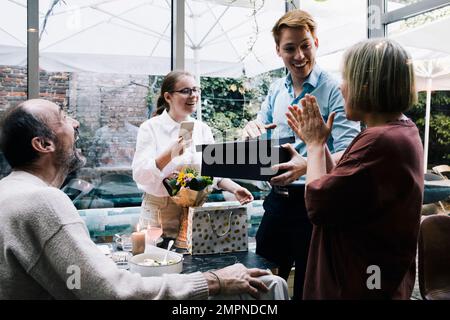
<point>217,229</point>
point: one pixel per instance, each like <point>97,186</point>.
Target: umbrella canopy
<point>133,36</point>
<point>432,75</point>
<point>432,64</point>
<point>223,37</point>
<point>430,51</point>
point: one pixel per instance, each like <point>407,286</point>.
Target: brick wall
<point>13,86</point>
<point>109,108</point>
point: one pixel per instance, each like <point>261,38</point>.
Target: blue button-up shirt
<point>329,98</point>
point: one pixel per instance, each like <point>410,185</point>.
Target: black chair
<point>434,258</point>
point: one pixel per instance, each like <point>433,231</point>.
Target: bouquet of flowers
<point>187,189</point>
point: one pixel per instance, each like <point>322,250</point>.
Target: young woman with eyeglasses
<point>160,152</point>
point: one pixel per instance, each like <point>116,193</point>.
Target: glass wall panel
<point>13,60</point>
<point>341,23</point>
<point>425,37</point>
<point>101,61</point>
<point>230,45</point>
<point>396,4</point>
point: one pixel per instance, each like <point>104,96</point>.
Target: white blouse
<point>154,137</point>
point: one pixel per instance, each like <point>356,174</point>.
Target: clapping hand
<point>308,123</point>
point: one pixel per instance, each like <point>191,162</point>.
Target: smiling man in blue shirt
<point>285,231</point>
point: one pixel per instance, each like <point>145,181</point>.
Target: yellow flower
<point>190,175</point>
<point>180,177</point>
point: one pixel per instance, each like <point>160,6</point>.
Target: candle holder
<point>138,241</point>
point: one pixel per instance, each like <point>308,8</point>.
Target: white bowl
<point>154,271</point>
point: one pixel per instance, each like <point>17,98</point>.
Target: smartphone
<point>186,129</point>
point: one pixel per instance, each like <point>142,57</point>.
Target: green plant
<point>152,93</point>
<point>229,103</point>
<point>439,136</point>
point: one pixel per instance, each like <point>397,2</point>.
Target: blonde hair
<point>380,77</point>
<point>294,19</point>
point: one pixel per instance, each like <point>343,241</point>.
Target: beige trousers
<point>162,209</point>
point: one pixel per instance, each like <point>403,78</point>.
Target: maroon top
<point>365,212</point>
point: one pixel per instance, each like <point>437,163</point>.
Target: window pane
<point>397,4</point>
<point>101,61</point>
<point>341,23</point>
<point>13,53</point>
<point>421,21</point>
<point>230,44</point>
<point>231,38</point>
<point>425,37</point>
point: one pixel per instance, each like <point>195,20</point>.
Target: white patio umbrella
<point>431,75</point>
<point>431,54</point>
<point>223,37</point>
<point>430,51</point>
<point>340,23</point>
<point>133,36</point>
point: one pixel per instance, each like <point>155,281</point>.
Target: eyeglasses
<point>188,91</point>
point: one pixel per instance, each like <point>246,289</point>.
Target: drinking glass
<point>124,241</point>
<point>154,232</point>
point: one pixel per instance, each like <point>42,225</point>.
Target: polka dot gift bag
<point>217,229</point>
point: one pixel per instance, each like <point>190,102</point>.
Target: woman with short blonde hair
<point>365,209</point>
<point>382,77</point>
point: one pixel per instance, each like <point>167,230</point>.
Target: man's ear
<point>277,47</point>
<point>316,42</point>
<point>42,145</point>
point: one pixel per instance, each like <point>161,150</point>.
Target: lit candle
<point>138,241</point>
